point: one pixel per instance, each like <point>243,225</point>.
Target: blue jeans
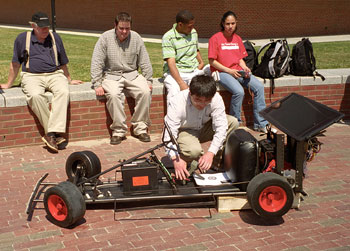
<point>235,86</point>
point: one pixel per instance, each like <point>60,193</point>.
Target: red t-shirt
<point>227,51</point>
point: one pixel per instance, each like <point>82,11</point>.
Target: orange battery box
<point>140,177</point>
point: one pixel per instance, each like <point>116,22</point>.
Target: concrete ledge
<point>333,76</point>
<point>2,100</point>
<point>14,97</point>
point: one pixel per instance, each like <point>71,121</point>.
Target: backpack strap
<point>288,59</point>
<point>316,73</point>
<point>263,47</point>
<point>272,86</point>
<point>29,33</point>
<point>54,47</point>
<point>272,59</point>
<point>313,61</point>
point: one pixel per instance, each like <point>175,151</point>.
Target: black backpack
<point>251,60</point>
<point>303,60</point>
<point>275,61</point>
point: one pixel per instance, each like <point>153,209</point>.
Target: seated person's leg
<point>235,88</point>
<point>58,85</point>
<point>115,105</point>
<point>259,101</point>
<point>172,87</point>
<point>141,92</point>
<point>34,88</point>
<point>189,144</point>
<point>232,123</point>
<point>207,134</point>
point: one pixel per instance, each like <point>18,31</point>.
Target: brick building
<point>257,18</point>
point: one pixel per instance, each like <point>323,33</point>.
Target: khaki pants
<point>139,90</point>
<point>34,86</point>
<point>190,140</point>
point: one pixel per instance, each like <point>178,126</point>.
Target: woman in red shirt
<point>226,52</point>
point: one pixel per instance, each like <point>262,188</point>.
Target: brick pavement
<point>321,223</point>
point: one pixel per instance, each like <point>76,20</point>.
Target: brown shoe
<point>50,141</point>
<point>60,139</point>
<point>144,137</point>
<point>115,140</point>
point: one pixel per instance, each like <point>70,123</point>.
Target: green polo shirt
<point>181,47</point>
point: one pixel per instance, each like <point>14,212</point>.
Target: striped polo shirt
<point>181,47</point>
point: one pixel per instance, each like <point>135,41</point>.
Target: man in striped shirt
<point>181,54</point>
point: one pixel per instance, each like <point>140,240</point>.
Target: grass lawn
<point>79,50</point>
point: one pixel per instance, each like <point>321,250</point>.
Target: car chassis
<point>270,193</point>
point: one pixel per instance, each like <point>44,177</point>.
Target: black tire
<point>86,160</point>
<point>270,195</point>
<point>64,204</point>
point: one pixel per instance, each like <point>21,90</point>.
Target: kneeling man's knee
<point>232,123</point>
<point>192,152</point>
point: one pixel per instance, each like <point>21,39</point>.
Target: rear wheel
<point>64,204</point>
<point>80,165</point>
<point>270,195</point>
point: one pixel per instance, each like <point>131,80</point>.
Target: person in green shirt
<point>181,54</point>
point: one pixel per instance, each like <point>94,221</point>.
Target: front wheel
<point>270,195</point>
<point>64,204</point>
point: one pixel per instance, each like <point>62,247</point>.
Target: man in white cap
<point>44,68</point>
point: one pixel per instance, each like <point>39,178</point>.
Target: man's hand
<point>5,86</point>
<point>150,85</point>
<point>174,72</point>
<point>100,91</point>
<point>205,162</point>
<point>183,85</point>
<point>76,82</point>
<point>200,65</point>
<point>180,166</point>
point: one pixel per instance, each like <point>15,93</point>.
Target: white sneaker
<point>216,76</point>
<point>261,129</point>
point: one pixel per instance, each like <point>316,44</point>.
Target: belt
<point>28,70</point>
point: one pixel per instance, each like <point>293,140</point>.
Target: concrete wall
<point>257,18</point>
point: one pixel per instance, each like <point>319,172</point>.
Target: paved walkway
<point>203,42</point>
<point>321,223</point>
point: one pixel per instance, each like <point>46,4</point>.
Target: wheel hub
<point>57,207</point>
<point>272,199</point>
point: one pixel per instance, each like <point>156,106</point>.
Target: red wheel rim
<point>57,207</point>
<point>272,199</point>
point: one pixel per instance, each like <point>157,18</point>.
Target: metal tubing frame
<point>124,163</point>
<point>34,192</point>
<point>279,153</point>
<point>167,197</point>
<point>300,154</point>
<point>151,150</point>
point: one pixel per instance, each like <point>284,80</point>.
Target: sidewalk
<point>321,223</point>
<point>203,42</point>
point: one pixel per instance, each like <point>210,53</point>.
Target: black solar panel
<point>300,117</point>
